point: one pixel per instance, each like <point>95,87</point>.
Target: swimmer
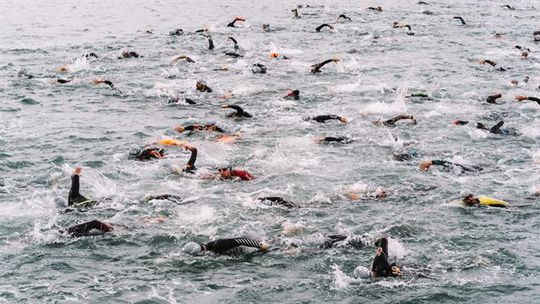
<point>90,55</point>
<point>230,173</point>
<point>226,246</point>
<point>493,98</point>
<point>418,94</point>
<point>190,166</point>
<point>392,122</point>
<point>236,19</point>
<point>201,86</point>
<point>422,3</point>
<point>402,25</point>
<point>345,17</point>
<point>425,165</point>
<point>107,82</point>
<point>278,56</point>
<point>75,198</point>
<point>522,98</point>
<point>63,80</point>
<point>295,14</point>
<point>356,242</point>
<point>239,112</point>
<point>208,127</point>
<point>490,62</point>
<point>147,153</point>
<point>186,58</point>
<point>266,27</point>
<point>496,129</point>
<point>177,32</point>
<point>236,47</point>
<point>508,7</point>
<point>175,99</point>
<point>470,200</point>
<point>22,73</point>
<point>381,267</point>
<point>316,68</point>
<point>210,41</point>
<point>355,192</point>
<point>94,227</point>
<point>294,94</point>
<point>334,139</point>
<point>258,68</point>
<point>277,201</point>
<point>130,54</point>
<point>320,27</point>
<point>324,118</point>
<point>377,9</point>
<point>169,197</point>
<point>461,20</point>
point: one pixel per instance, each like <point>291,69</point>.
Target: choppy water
<point>449,253</point>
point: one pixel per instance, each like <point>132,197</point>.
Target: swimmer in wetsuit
<point>107,82</point>
<point>236,19</point>
<point>294,94</point>
<point>461,20</point>
<point>239,112</point>
<point>493,98</point>
<point>208,127</point>
<point>75,198</point>
<point>183,57</point>
<point>147,153</point>
<point>316,68</point>
<point>190,166</point>
<point>381,267</point>
<point>320,27</point>
<point>522,98</point>
<point>425,165</point>
<point>392,122</point>
<point>226,246</point>
<point>334,139</point>
<point>201,86</point>
<point>325,118</point>
<point>94,227</point>
<point>345,17</point>
<point>496,129</point>
<point>349,241</point>
<point>277,201</point>
<point>130,54</point>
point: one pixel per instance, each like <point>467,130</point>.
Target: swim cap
<point>211,123</point>
<point>362,272</point>
<point>135,152</point>
<point>192,248</point>
<point>224,165</point>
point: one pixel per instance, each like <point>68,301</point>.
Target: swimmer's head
<point>225,172</point>
<point>134,152</point>
<point>343,119</point>
<point>460,122</point>
<point>192,248</point>
<point>211,123</point>
<point>470,200</point>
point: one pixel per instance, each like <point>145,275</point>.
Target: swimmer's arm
<point>251,243</point>
<point>193,158</point>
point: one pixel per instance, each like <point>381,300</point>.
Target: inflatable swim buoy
<point>488,201</point>
<point>172,142</point>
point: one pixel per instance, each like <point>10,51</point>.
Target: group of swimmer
<point>381,266</point>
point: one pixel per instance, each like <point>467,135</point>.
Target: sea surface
<point>448,253</point>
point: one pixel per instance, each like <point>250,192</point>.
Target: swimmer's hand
<point>264,247</point>
<point>179,129</point>
<point>425,165</point>
<point>77,171</point>
<point>521,97</point>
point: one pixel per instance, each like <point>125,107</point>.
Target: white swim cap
<point>362,272</point>
<point>192,248</point>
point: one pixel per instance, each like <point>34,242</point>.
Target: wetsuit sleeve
<point>380,266</point>
<point>238,109</point>
<point>218,129</point>
<point>444,163</point>
<point>534,99</point>
<point>193,158</point>
<point>189,128</point>
<point>324,118</point>
<point>224,245</point>
<point>74,191</point>
<point>85,228</point>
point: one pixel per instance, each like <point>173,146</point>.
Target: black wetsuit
<point>170,197</point>
<point>339,139</point>
<point>448,164</point>
<point>534,99</point>
<point>239,112</point>
<point>205,127</point>
<point>392,122</point>
<point>148,153</point>
<point>190,167</point>
<point>496,129</point>
<point>381,267</point>
<point>316,68</point>
<point>319,28</point>
<point>354,242</point>
<point>86,229</point>
<point>75,198</point>
<point>231,246</point>
<point>276,200</point>
<point>324,118</point>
